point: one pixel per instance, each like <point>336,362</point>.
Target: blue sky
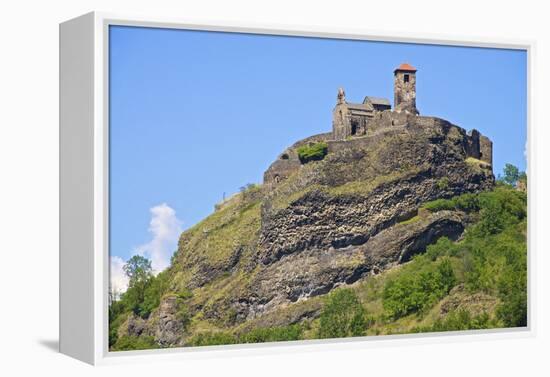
<point>196,114</point>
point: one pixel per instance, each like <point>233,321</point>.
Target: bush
<point>512,285</point>
<point>130,342</point>
<point>342,316</point>
<point>443,183</point>
<point>458,320</point>
<point>417,290</point>
<point>212,339</point>
<point>444,246</point>
<point>273,334</point>
<point>153,292</point>
<point>313,152</point>
<point>464,202</point>
<point>439,205</point>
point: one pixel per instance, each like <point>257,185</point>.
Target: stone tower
<point>405,89</point>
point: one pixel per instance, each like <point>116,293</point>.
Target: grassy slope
<point>471,302</point>
<point>236,224</point>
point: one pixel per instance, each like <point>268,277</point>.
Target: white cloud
<point>119,280</point>
<point>165,229</point>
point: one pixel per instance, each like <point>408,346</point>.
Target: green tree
<point>511,174</point>
<point>342,316</point>
<point>137,269</point>
<point>139,272</point>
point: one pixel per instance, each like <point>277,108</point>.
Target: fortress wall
<point>288,161</point>
<point>486,149</point>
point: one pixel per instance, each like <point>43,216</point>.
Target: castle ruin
<point>366,123</point>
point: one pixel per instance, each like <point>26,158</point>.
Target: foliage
<point>496,254</point>
<point>512,291</point>
<point>154,289</point>
<point>342,316</point>
<point>416,290</point>
<point>273,334</point>
<point>511,174</point>
<point>130,342</point>
<point>137,268</point>
<point>489,260</point>
<point>458,320</point>
<point>212,339</point>
<point>313,152</point>
<point>443,183</point>
<point>465,202</point>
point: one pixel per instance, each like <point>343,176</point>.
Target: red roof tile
<point>406,67</point>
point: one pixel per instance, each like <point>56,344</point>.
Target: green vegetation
<point>130,343</point>
<point>273,334</point>
<point>477,165</point>
<point>417,290</point>
<point>258,335</point>
<point>342,316</point>
<point>412,220</point>
<point>212,339</point>
<point>464,202</point>
<point>477,282</point>
<point>443,183</point>
<point>458,320</point>
<point>312,152</point>
<point>511,174</point>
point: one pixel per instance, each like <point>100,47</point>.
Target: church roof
<point>377,101</point>
<point>405,67</point>
<point>359,106</point>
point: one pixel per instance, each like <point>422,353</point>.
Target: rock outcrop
<point>321,224</point>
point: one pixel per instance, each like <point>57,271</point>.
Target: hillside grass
<point>476,283</point>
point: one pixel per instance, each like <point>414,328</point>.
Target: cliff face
<point>320,225</point>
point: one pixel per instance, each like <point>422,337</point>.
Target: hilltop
<point>377,223</point>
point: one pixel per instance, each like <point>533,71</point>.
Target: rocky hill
<point>267,256</point>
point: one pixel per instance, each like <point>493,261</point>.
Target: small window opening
<point>353,128</point>
<point>406,78</point>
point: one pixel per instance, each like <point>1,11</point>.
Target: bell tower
<point>404,89</point>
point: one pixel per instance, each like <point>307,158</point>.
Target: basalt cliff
<point>331,212</point>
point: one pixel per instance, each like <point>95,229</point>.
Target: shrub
<point>212,339</point>
<point>512,287</point>
<point>443,246</point>
<point>439,205</point>
<point>313,152</point>
<point>458,320</point>
<point>443,183</point>
<point>153,292</point>
<point>130,342</point>
<point>417,290</point>
<point>273,334</point>
<point>342,316</point>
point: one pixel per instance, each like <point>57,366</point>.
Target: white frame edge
<point>84,163</point>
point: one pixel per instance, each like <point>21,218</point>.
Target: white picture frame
<point>84,182</point>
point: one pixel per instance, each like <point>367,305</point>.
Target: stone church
<point>361,126</point>
<point>352,119</point>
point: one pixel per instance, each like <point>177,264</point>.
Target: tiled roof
<point>377,101</point>
<point>406,67</point>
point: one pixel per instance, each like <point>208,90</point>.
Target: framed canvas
<point>230,189</point>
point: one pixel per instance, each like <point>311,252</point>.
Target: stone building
<point>352,119</point>
<point>360,125</point>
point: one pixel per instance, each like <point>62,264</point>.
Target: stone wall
<point>288,161</point>
<point>486,149</point>
<point>381,125</point>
